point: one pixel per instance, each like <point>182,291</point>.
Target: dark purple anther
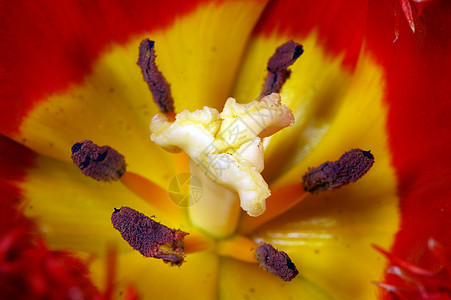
<point>149,237</point>
<point>101,163</point>
<point>331,175</point>
<point>275,262</point>
<point>157,83</point>
<point>278,73</point>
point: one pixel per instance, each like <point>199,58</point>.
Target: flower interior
<point>226,158</point>
<point>249,144</point>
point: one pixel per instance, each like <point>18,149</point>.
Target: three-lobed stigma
<point>227,146</point>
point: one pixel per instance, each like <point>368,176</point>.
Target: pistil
<point>217,211</point>
<point>225,150</point>
<point>226,156</point>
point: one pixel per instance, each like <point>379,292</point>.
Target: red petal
<point>418,70</point>
<point>15,159</point>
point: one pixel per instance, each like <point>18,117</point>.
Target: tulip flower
<point>370,75</point>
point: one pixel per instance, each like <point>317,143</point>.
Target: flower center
<point>225,149</point>
<point>226,157</point>
<point>226,154</point>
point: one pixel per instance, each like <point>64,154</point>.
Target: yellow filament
<point>239,247</point>
<point>153,194</point>
<point>196,242</point>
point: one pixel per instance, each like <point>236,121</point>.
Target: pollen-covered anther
<point>284,56</point>
<point>158,85</point>
<point>102,163</point>
<point>331,175</point>
<point>276,262</point>
<point>149,237</point>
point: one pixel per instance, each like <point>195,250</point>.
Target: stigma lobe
<point>102,163</point>
<point>149,237</point>
<point>331,175</point>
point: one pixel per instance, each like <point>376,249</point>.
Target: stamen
<point>276,262</point>
<point>331,175</point>
<point>278,73</point>
<point>158,85</point>
<point>101,163</point>
<point>149,237</point>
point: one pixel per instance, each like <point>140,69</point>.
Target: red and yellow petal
<point>28,269</point>
<point>418,69</point>
<point>377,79</point>
<point>153,279</point>
<point>49,45</point>
<point>60,60</point>
<point>74,213</point>
<point>98,94</point>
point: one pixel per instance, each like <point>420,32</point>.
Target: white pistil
<point>218,208</point>
<point>226,155</point>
